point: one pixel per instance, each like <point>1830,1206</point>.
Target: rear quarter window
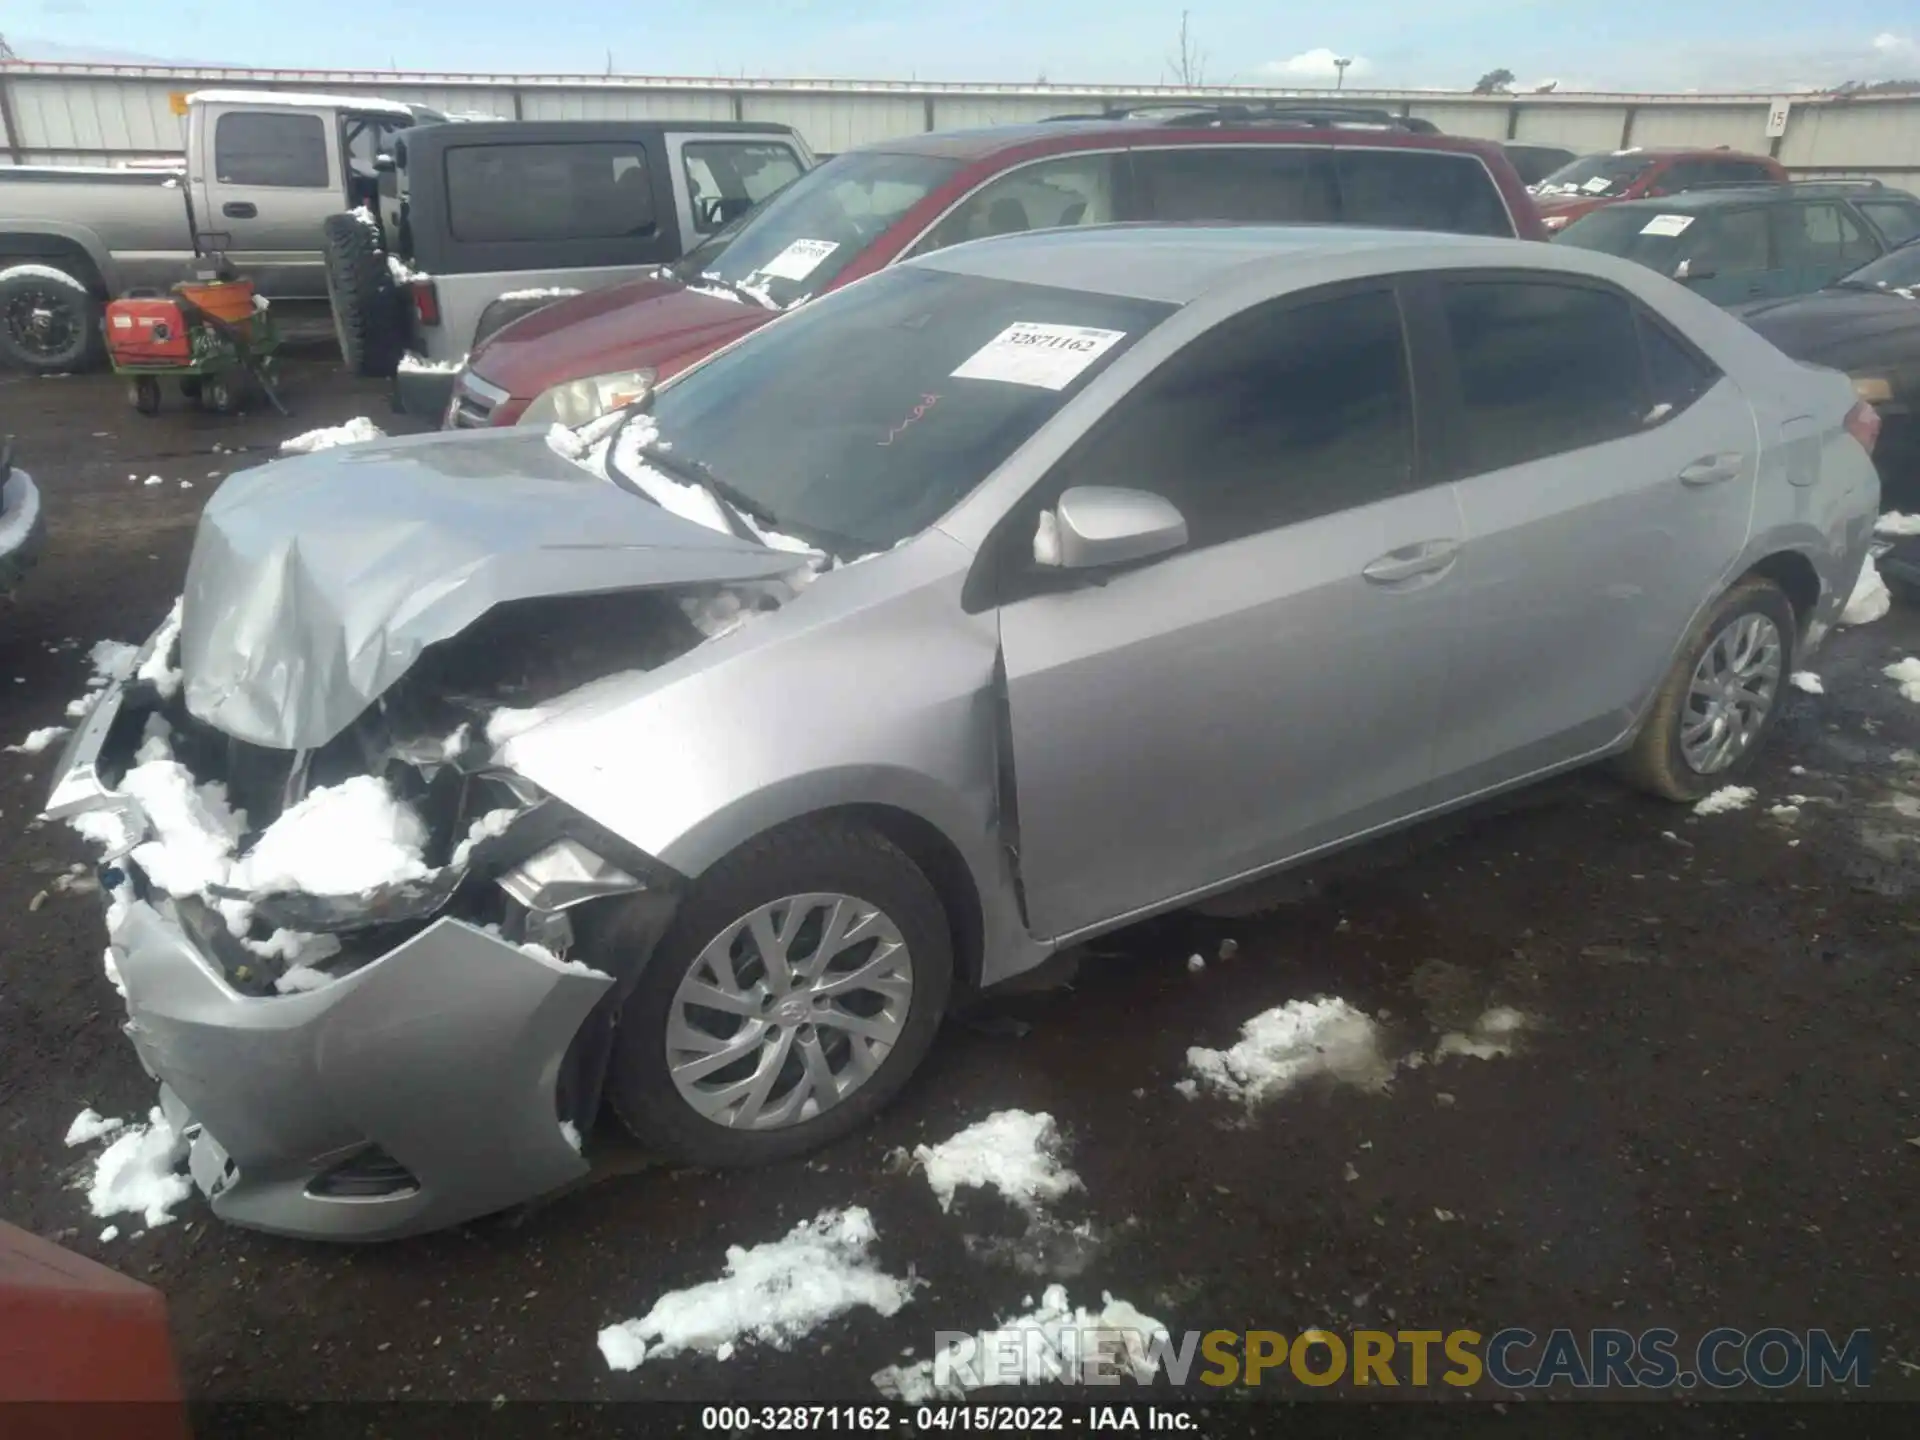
<point>1420,190</point>
<point>584,191</point>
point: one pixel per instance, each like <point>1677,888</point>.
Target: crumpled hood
<point>316,582</point>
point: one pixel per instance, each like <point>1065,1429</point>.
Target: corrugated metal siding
<point>76,114</point>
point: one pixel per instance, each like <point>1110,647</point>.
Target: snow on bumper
<point>441,1055</point>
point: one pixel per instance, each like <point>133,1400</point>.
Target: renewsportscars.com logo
<point>1513,1359</point>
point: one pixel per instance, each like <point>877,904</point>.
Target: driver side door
<point>1271,687</point>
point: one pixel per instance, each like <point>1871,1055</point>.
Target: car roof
<point>1710,197</point>
<point>989,140</point>
<point>1175,264</point>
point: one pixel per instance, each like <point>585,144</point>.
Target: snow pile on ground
<point>412,364</point>
<point>1727,797</point>
<point>1491,1037</point>
<point>1905,673</point>
<point>1047,1344</point>
<point>138,1174</point>
<point>1013,1151</point>
<point>1894,523</point>
<point>1808,681</point>
<point>90,1125</point>
<point>1280,1048</point>
<point>158,669</point>
<point>354,432</point>
<point>38,740</point>
<point>342,839</point>
<point>1869,600</point>
<point>774,1293</point>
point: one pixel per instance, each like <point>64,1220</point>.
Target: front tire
<point>798,988</point>
<point>48,325</point>
<point>1709,716</point>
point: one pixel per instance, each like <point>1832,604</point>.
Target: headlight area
<point>577,402</point>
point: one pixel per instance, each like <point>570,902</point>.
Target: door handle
<point>240,210</point>
<point>1409,562</point>
<point>1712,469</point>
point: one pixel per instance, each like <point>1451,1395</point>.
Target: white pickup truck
<point>263,170</point>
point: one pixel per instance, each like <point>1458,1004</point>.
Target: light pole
<point>1340,72</point>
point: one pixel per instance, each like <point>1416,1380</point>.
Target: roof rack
<point>1843,182</point>
<point>1312,116</point>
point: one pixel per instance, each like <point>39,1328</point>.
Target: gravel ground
<point>1712,1118</point>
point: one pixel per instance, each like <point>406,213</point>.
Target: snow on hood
<point>316,582</point>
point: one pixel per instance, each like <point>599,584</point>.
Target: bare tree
<point>1494,82</point>
<point>6,50</point>
<point>1188,64</point>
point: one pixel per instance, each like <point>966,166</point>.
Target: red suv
<point>1584,185</point>
<point>867,208</point>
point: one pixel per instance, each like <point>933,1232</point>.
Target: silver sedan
<point>696,761</point>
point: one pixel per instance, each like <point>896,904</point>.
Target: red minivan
<point>1582,186</point>
<point>866,208</point>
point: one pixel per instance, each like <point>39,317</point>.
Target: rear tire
<point>48,326</point>
<point>144,393</point>
<point>366,303</point>
<point>815,863</point>
<point>1666,756</point>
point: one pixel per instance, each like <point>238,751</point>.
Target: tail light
<point>426,301</point>
<point>1863,423</point>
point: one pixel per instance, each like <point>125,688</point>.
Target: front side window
<point>1071,190</point>
<point>727,178</point>
<point>1896,270</point>
<point>1279,184</point>
<point>258,148</point>
<point>1286,412</point>
<point>593,190</point>
<point>1420,190</point>
<point>860,420</point>
<point>1544,368</point>
<point>795,244</point>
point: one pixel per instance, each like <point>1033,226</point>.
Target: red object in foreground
<point>147,332</point>
<point>73,1331</point>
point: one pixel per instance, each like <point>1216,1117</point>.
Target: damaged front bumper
<point>426,1080</point>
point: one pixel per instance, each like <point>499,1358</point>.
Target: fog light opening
<point>370,1174</point>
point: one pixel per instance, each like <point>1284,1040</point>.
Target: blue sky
<point>1628,44</point>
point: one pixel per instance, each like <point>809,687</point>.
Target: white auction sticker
<point>1029,353</point>
<point>798,260</point>
<point>1666,225</point>
<point>1596,184</point>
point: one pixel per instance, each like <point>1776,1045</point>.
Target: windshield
<point>1648,236</point>
<point>1595,175</point>
<point>798,239</point>
<point>857,422</point>
<point>1896,270</point>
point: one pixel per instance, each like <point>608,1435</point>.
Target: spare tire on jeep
<point>367,313</point>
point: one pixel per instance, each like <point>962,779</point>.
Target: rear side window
<point>1420,190</point>
<point>287,151</point>
<point>1731,242</point>
<point>727,178</point>
<point>1677,375</point>
<point>1823,235</point>
<point>1281,414</point>
<point>1899,220</point>
<point>1276,183</point>
<point>593,191</point>
<point>1543,368</point>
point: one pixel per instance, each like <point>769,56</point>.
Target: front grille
<point>372,1174</point>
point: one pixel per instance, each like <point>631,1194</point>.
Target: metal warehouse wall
<point>52,114</point>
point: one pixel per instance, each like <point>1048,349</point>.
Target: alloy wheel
<point>42,320</point>
<point>1732,693</point>
<point>788,1011</point>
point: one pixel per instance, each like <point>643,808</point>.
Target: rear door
<point>1730,255</point>
<point>270,176</point>
<point>1817,242</point>
<point>1270,688</point>
<point>1605,472</point>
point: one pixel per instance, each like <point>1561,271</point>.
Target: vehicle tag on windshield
<point>799,260</point>
<point>1666,225</point>
<point>1596,184</point>
<point>1047,356</point>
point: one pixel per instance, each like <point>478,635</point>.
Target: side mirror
<point>1097,525</point>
